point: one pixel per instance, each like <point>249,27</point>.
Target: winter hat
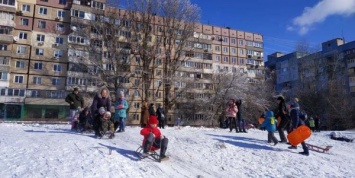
<point>76,89</point>
<point>102,110</point>
<point>121,94</point>
<point>280,98</point>
<point>108,114</point>
<point>153,120</point>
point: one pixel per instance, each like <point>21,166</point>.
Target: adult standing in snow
<point>121,107</point>
<point>76,102</point>
<point>317,123</point>
<point>284,121</point>
<point>161,116</point>
<point>144,114</point>
<point>241,121</point>
<point>151,110</point>
<point>296,122</point>
<point>231,114</point>
<point>101,99</point>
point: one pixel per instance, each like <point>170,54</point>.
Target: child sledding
<point>153,141</point>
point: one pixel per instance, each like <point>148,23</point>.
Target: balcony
<point>6,38</point>
<point>5,53</point>
<point>8,23</point>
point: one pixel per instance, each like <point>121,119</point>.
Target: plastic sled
<point>152,154</point>
<point>318,148</point>
<point>106,135</point>
<point>261,120</point>
<point>298,135</point>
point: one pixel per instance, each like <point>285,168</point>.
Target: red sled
<point>298,135</point>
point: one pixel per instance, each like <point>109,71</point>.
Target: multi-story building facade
<point>48,49</point>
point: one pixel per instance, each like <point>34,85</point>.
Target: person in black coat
<point>284,121</point>
<point>151,110</point>
<point>101,99</point>
<point>161,117</point>
<point>241,121</point>
<point>76,102</point>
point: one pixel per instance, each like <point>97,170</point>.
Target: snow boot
<point>304,153</point>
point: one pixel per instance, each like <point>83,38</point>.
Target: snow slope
<point>54,151</point>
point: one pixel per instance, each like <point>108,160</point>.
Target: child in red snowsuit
<point>153,137</point>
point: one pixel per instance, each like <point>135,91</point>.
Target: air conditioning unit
<point>19,13</point>
<point>56,19</point>
<point>40,43</point>
<point>16,38</point>
<point>249,56</point>
<point>56,44</point>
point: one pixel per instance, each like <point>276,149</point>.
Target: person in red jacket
<point>153,137</point>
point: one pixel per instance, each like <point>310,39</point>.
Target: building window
<point>59,40</point>
<point>98,5</point>
<point>24,21</point>
<point>21,50</point>
<point>42,10</point>
<point>7,2</point>
<point>225,59</point>
<point>136,105</point>
<point>63,2</point>
<point>136,93</point>
<point>55,81</point>
<point>57,68</point>
<point>77,13</point>
<point>58,53</point>
<point>3,75</point>
<point>25,8</point>
<point>37,80</point>
<point>38,66</point>
<point>20,64</point>
<point>217,48</point>
<point>241,51</point>
<point>218,58</point>
<point>39,52</point>
<point>60,27</point>
<point>234,60</point>
<point>40,38</point>
<point>18,79</point>
<point>240,42</point>
<point>61,14</point>
<point>225,39</point>
<point>41,24</point>
<point>3,47</point>
<point>225,49</point>
<point>232,40</point>
<point>22,35</point>
<point>234,51</point>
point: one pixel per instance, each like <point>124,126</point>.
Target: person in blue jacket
<point>270,125</point>
<point>121,106</point>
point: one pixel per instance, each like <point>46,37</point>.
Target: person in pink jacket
<point>154,138</point>
<point>231,114</point>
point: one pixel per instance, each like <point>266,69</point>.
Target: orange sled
<point>299,135</point>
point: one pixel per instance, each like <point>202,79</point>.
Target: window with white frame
<point>24,21</point>
<point>234,60</point>
<point>217,48</point>
<point>240,42</point>
<point>76,39</point>
<point>41,37</point>
<point>57,68</point>
<point>18,79</point>
<point>38,66</point>
<point>225,49</point>
<point>42,11</point>
<point>41,24</point>
<point>20,64</point>
<point>218,58</point>
<point>55,81</point>
<point>136,105</point>
<point>233,50</point>
<point>233,40</point>
<point>225,39</point>
<point>59,40</point>
<point>241,51</point>
<point>22,35</point>
<point>58,53</point>
<point>4,61</point>
<point>225,59</point>
<point>25,8</point>
<point>8,2</point>
<point>39,51</point>
<point>3,75</point>
<point>37,80</point>
<point>98,5</point>
<point>77,13</point>
<point>60,27</point>
<point>108,67</point>
<point>61,14</point>
<point>136,93</point>
<point>21,50</point>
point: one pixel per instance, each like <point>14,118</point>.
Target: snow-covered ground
<point>54,151</point>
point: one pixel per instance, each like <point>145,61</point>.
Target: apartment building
<point>53,47</point>
<point>316,71</point>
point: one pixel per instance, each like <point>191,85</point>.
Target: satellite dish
<point>16,38</point>
<point>73,28</point>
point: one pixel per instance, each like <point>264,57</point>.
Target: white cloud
<point>320,12</point>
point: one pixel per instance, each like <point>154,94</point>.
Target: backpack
<point>303,115</point>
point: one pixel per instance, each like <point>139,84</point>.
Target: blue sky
<point>284,23</point>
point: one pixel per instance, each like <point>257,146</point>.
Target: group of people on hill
<point>99,117</point>
<point>234,115</point>
<point>290,118</point>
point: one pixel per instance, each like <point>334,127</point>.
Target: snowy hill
<point>54,151</point>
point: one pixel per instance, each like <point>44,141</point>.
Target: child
<point>153,137</point>
<point>85,120</point>
<point>107,125</point>
<point>121,107</point>
<point>97,121</point>
<point>231,114</point>
<point>311,124</point>
<point>270,125</point>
